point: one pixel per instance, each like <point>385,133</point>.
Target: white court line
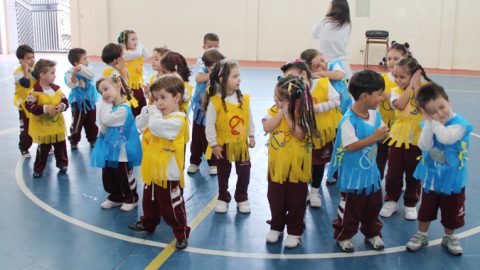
<point>247,255</point>
<point>464,91</point>
<point>475,135</point>
<point>6,78</point>
<point>8,131</point>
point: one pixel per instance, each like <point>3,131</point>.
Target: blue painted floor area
<point>71,231</point>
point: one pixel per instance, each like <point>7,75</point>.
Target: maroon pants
<point>140,97</point>
<point>60,151</point>
<point>25,140</point>
<point>382,156</point>
<point>288,202</point>
<point>120,183</point>
<point>224,168</point>
<point>199,145</point>
<point>452,209</point>
<point>401,160</point>
<point>168,203</point>
<point>355,209</point>
<point>83,119</point>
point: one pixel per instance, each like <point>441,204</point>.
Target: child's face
<point>296,72</point>
<point>279,101</point>
<point>132,41</point>
<point>49,76</point>
<point>233,82</point>
<point>439,109</point>
<point>371,101</point>
<point>110,92</point>
<point>156,58</point>
<point>402,76</point>
<point>319,63</point>
<point>392,57</point>
<point>28,60</point>
<point>210,44</point>
<point>82,61</point>
<point>166,102</point>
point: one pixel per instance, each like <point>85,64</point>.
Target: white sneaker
<point>273,236</point>
<point>315,198</point>
<point>107,204</point>
<point>411,213</point>
<point>212,170</point>
<point>292,241</point>
<point>346,245</point>
<point>221,207</point>
<point>127,207</point>
<point>244,207</point>
<point>26,154</point>
<point>388,208</point>
<point>376,242</point>
<point>192,168</point>
<point>52,151</point>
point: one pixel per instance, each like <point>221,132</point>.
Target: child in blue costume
<point>353,157</point>
<point>118,148</point>
<point>444,142</point>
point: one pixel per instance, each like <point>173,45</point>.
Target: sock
<point>423,233</point>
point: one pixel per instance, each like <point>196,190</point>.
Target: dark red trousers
<point>355,209</point>
<point>224,168</point>
<point>288,202</point>
<point>400,161</point>
<point>382,157</point>
<point>83,119</point>
<point>198,145</point>
<point>140,97</point>
<point>319,158</point>
<point>120,183</point>
<point>452,208</point>
<point>25,141</point>
<point>60,151</point>
<point>166,203</point>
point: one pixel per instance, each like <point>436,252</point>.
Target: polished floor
<point>56,222</point>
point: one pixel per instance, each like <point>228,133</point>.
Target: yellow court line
<point>170,249</point>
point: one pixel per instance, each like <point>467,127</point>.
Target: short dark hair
<point>211,37</point>
<point>298,65</point>
<point>365,81</point>
<point>111,52</point>
<point>428,92</point>
<point>22,51</point>
<point>42,66</point>
<point>75,54</point>
<point>212,56</point>
<point>161,50</point>
<point>171,83</point>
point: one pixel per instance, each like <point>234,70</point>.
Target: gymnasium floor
<point>56,222</point>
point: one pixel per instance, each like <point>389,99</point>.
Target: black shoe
<point>37,174</point>
<point>181,243</point>
<point>138,227</point>
<point>63,169</point>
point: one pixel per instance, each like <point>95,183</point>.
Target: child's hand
<point>251,141</point>
<point>425,115</point>
<point>51,109</point>
<point>77,69</point>
<point>146,89</point>
<point>380,133</point>
<point>415,81</point>
<point>217,152</point>
<point>81,83</point>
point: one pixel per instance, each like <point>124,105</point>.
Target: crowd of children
<point>378,120</point>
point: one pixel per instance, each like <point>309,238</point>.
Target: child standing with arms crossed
<point>47,126</point>
<point>199,141</point>
<point>291,124</point>
<point>396,52</point>
<point>24,82</point>
<point>118,147</point>
<point>404,134</point>
<point>230,132</point>
<point>163,160</point>
<point>354,158</point>
<point>134,52</point>
<point>82,99</point>
<point>442,170</point>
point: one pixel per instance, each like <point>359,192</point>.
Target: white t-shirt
<point>348,132</point>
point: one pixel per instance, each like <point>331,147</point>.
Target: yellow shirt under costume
<point>21,92</point>
<point>288,158</point>
<point>327,122</point>
<point>45,128</point>
<point>157,153</point>
<point>232,128</point>
<point>135,73</point>
<point>108,72</point>
<point>406,127</point>
<point>385,107</point>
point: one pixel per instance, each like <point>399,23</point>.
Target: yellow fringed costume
<point>327,122</point>
<point>21,93</point>
<point>288,157</point>
<point>135,73</point>
<point>133,102</point>
<point>385,108</point>
<point>232,129</point>
<point>157,153</point>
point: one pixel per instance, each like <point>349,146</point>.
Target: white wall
<point>441,32</point>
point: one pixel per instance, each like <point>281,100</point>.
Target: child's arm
<point>350,141</point>
<point>332,103</point>
<point>425,141</point>
<point>271,123</point>
<point>251,129</point>
<point>298,131</point>
<point>448,134</point>
<point>335,75</point>
<point>70,77</point>
<point>165,128</point>
<point>202,77</point>
<point>112,118</point>
<point>141,121</point>
<point>400,102</point>
<point>33,107</point>
<point>23,78</point>
<point>63,106</point>
<point>211,132</point>
<point>86,72</point>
